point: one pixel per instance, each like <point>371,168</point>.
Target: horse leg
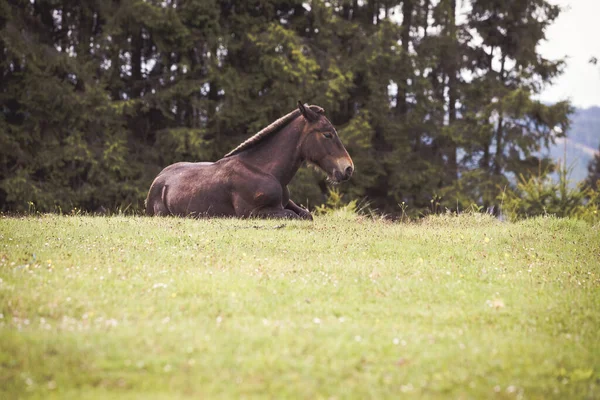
<point>290,205</point>
<point>274,213</point>
<point>302,213</point>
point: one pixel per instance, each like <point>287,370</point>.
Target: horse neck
<point>279,155</point>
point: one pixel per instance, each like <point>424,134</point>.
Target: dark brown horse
<point>251,180</point>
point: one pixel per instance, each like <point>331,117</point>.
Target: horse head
<point>322,146</point>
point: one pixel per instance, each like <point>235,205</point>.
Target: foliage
<point>581,143</point>
<point>593,172</point>
<point>335,203</point>
<point>453,307</point>
<point>541,195</point>
<point>98,97</point>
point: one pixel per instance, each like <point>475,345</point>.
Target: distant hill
<point>581,143</point>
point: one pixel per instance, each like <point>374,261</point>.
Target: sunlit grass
<point>96,307</point>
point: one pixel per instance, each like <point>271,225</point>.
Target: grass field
<point>342,307</point>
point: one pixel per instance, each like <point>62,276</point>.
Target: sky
<point>575,34</point>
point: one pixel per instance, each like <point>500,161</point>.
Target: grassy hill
<point>342,307</point>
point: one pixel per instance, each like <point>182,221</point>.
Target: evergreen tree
<point>62,144</point>
<point>98,97</point>
<point>593,172</point>
<point>503,126</point>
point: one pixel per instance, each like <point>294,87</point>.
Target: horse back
<point>183,166</point>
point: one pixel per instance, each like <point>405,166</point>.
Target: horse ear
<point>307,113</point>
<point>301,107</point>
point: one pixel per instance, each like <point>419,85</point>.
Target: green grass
<point>342,307</point>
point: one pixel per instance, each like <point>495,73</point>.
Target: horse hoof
<point>306,215</point>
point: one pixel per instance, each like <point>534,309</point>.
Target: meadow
<point>343,307</point>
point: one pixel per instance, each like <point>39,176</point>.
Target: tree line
<point>434,99</point>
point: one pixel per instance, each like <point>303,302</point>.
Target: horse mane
<point>270,130</point>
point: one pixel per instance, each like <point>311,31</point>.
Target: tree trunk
<point>407,12</point>
<point>136,63</point>
<point>498,158</point>
<point>452,168</point>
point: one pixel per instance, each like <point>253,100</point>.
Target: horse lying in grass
<point>251,180</point>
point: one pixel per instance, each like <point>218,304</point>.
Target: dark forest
<point>434,100</point>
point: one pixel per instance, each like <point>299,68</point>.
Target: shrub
<point>540,195</point>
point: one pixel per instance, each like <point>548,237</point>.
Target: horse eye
<point>328,135</point>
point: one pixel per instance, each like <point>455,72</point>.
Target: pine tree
<point>593,172</point>
<point>504,126</point>
<point>98,97</point>
<point>62,145</point>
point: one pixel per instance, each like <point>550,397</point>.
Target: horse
<point>251,180</point>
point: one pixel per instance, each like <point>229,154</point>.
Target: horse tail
<point>163,199</point>
<point>150,199</point>
<point>156,203</point>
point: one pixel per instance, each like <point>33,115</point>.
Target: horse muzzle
<point>345,175</point>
